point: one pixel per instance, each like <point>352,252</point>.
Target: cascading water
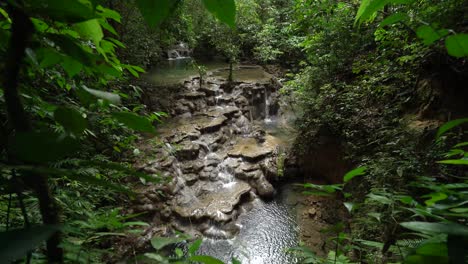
<point>223,159</point>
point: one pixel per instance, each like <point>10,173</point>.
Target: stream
<point>222,144</point>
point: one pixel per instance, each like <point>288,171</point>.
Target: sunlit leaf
<point>454,162</point>
<point>353,173</point>
<point>90,29</point>
<point>449,125</point>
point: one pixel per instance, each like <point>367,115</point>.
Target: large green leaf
<point>70,47</point>
<point>457,45</point>
<point>224,10</point>
<point>70,119</point>
<point>134,121</point>
<point>353,173</point>
<point>155,11</point>
<point>368,8</point>
<point>392,19</point>
<point>41,147</point>
<point>195,246</point>
<point>429,35</point>
<point>16,244</point>
<point>160,242</point>
<point>90,29</point>
<point>449,125</point>
<point>206,259</point>
<point>71,66</point>
<point>454,162</point>
<point>437,228</point>
<point>66,11</point>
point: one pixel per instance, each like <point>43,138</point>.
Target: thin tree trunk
<point>22,29</point>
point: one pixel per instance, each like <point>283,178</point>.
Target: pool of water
<point>176,71</point>
<point>267,232</point>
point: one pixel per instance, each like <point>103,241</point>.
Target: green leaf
<point>395,18</point>
<point>206,259</point>
<point>90,29</point>
<point>353,173</point>
<point>16,244</point>
<point>65,11</point>
<point>159,242</point>
<point>195,246</point>
<point>449,125</point>
<point>111,97</point>
<point>431,228</point>
<point>134,121</point>
<point>70,119</point>
<point>379,198</point>
<point>71,66</point>
<point>454,162</point>
<point>109,13</point>
<point>235,261</point>
<point>42,147</point>
<point>368,8</point>
<point>457,45</point>
<point>48,57</point>
<point>435,197</point>
<point>429,35</point>
<point>155,11</point>
<point>224,10</point>
<point>70,47</point>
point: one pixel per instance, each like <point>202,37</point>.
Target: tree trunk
<point>22,29</point>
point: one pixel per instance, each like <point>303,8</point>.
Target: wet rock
<point>269,167</point>
<point>248,149</point>
<point>167,162</point>
<point>242,101</point>
<point>188,151</point>
<point>264,188</point>
<point>190,178</point>
<point>210,89</point>
<point>193,95</point>
<point>259,134</point>
<point>215,205</point>
<point>192,166</point>
<point>213,124</point>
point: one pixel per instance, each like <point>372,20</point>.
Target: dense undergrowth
<point>380,76</point>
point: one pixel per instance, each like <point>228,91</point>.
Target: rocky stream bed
<point>221,163</point>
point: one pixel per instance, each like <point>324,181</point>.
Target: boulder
<point>187,151</point>
<point>264,188</point>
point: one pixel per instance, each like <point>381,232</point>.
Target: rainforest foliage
<point>381,76</point>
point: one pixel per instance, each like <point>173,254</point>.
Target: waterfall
<point>267,107</point>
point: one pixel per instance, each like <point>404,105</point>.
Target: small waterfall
<point>267,107</point>
<point>179,51</point>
